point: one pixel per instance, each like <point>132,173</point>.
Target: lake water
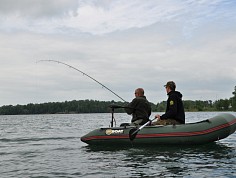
<point>50,146</point>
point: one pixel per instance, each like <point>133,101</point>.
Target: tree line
<point>94,106</point>
<point>208,105</point>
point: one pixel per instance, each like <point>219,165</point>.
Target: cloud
<point>122,44</point>
<point>37,9</point>
<point>100,17</point>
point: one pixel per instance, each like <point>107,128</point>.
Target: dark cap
<point>170,84</point>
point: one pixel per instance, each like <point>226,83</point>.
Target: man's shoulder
<point>175,94</point>
<point>142,98</point>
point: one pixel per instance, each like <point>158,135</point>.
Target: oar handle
<point>146,124</point>
<point>143,126</point>
<point>133,132</point>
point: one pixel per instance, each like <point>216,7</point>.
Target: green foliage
<point>192,106</point>
<point>161,106</point>
<point>233,100</point>
<point>218,105</point>
<point>93,106</point>
<point>81,106</point>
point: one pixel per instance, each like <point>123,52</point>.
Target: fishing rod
<point>83,74</point>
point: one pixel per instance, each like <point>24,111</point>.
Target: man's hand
<point>157,116</point>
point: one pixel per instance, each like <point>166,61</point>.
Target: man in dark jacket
<point>140,108</point>
<point>175,110</point>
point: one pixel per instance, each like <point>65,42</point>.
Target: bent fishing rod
<point>83,74</point>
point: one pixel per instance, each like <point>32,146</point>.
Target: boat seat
<point>124,124</point>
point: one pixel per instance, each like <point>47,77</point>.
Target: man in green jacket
<point>140,108</point>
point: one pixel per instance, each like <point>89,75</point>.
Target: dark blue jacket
<point>174,108</point>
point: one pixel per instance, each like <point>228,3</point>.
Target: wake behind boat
<point>206,131</point>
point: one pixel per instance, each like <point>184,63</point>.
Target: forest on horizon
<point>94,106</point>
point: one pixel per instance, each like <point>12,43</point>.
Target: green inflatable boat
<point>206,131</point>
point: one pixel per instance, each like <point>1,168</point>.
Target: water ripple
<point>50,146</point>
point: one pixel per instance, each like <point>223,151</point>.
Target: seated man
<point>140,108</point>
<point>175,110</point>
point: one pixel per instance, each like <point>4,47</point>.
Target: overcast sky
<point>122,44</point>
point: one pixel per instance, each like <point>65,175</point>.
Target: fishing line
<point>83,74</point>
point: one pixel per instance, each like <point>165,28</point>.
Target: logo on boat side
<point>110,131</point>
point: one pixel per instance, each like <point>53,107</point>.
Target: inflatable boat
<point>206,131</point>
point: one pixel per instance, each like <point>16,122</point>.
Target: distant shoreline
<point>94,106</point>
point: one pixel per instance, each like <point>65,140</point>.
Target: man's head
<point>139,92</point>
<point>170,85</point>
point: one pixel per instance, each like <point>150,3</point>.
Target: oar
<point>133,132</point>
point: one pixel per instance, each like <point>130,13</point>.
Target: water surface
<point>50,146</point>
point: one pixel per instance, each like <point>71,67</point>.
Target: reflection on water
<point>167,160</point>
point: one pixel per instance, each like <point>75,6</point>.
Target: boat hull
<point>210,130</point>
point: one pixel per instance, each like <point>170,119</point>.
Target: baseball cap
<point>170,84</point>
